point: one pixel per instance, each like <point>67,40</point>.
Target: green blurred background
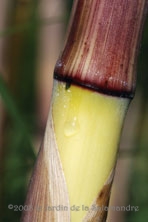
<point>31,37</point>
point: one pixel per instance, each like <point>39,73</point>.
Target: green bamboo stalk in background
<point>94,83</point>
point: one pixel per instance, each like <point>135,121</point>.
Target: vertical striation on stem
<point>102,45</point>
<point>76,162</point>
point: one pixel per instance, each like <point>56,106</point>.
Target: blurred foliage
<point>18,158</point>
<point>18,97</point>
<point>138,188</point>
<point>142,65</point>
<point>69,5</point>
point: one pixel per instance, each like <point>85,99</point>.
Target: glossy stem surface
<point>102,45</point>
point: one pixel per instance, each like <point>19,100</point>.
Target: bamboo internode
<point>102,45</point>
<point>94,82</point>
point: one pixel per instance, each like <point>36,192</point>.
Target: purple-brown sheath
<point>100,54</point>
<point>102,45</point>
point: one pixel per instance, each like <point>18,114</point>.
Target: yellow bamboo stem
<point>95,80</point>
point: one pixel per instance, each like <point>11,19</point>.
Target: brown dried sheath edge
<point>102,45</point>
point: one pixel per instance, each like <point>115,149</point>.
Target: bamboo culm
<point>94,81</point>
